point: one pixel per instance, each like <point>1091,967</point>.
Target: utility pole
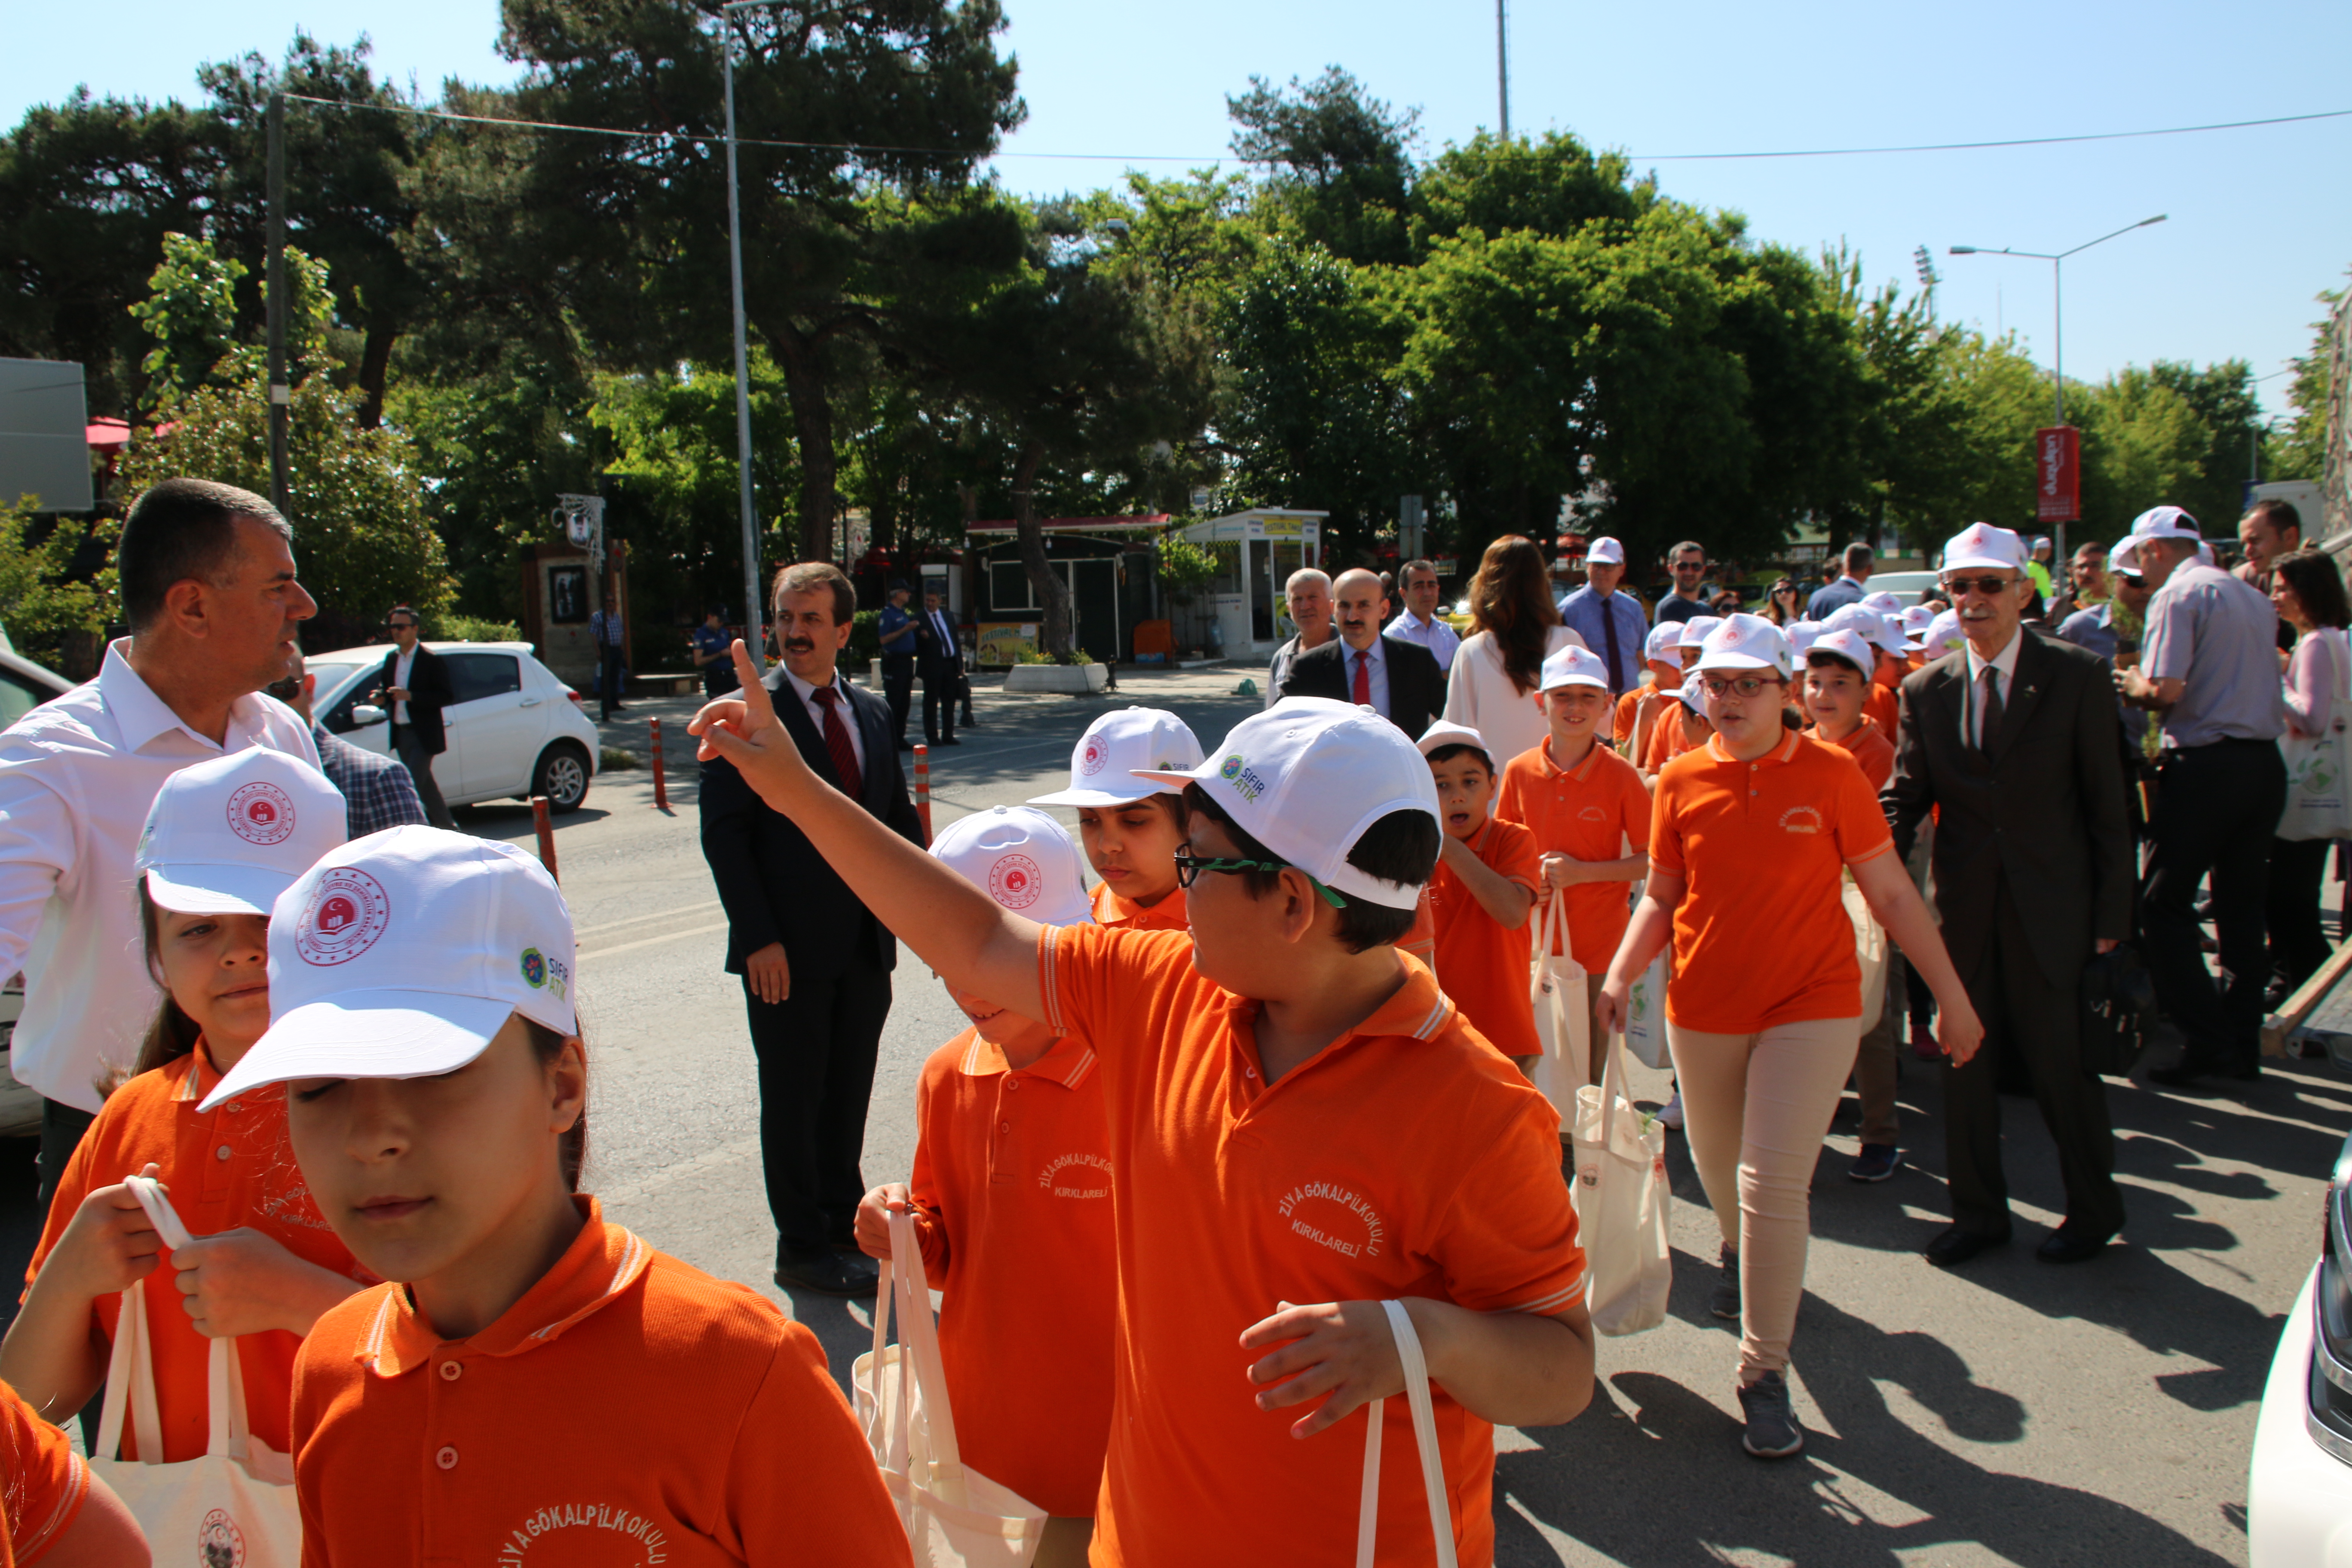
<point>753,618</point>
<point>1503,66</point>
<point>281,397</point>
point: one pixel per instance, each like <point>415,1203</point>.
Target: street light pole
<point>752,641</point>
<point>2057,293</point>
<point>1503,67</point>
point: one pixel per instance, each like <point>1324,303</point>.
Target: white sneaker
<point>1671,1114</point>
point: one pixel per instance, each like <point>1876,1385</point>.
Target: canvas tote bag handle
<point>918,1337</point>
<point>1424,1436</point>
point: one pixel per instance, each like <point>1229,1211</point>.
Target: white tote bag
<point>2319,768</point>
<point>1424,1437</point>
<point>1563,1016</point>
<point>955,1517</point>
<point>1870,948</point>
<point>1622,1198</point>
<point>1645,1013</point>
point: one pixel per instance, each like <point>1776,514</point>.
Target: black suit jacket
<point>1417,686</point>
<point>932,658</point>
<point>429,692</point>
<point>2042,805</point>
<point>774,885</point>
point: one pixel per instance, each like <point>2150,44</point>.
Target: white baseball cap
<point>1801,635</point>
<point>1693,692</point>
<point>402,953</point>
<point>2164,523</point>
<point>1665,637</point>
<point>1869,623</point>
<point>1848,644</point>
<point>1981,545</point>
<point>1604,551</point>
<point>1942,635</point>
<point>1306,778</point>
<point>1116,746</point>
<point>1444,733</point>
<point>229,834</point>
<point>1020,857</point>
<point>1917,620</point>
<point>1573,665</point>
<point>1745,642</point>
<point>1883,603</point>
<point>1695,630</point>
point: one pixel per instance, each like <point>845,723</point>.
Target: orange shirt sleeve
<point>1510,796</point>
<point>1514,1248</point>
<point>1862,830</point>
<point>43,1482</point>
<point>1514,854</point>
<point>923,1185</point>
<point>1665,844</point>
<point>802,1485</point>
<point>1622,730</point>
<point>1633,798</point>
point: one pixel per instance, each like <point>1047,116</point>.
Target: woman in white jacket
<point>1494,687</point>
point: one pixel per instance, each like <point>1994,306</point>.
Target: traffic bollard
<point>923,791</point>
<point>546,825</point>
<point>661,783</point>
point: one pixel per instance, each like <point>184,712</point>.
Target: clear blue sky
<point>2258,222</point>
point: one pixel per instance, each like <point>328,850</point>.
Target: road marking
<point>655,940</point>
<point>640,920</point>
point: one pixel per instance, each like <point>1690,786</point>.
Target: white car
<point>2299,1484</point>
<point>1908,587</point>
<point>515,730</point>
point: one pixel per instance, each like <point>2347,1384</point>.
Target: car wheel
<point>561,776</point>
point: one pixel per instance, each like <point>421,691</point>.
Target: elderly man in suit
<point>2011,739</point>
<point>415,684</point>
<point>815,964</point>
<point>1400,679</point>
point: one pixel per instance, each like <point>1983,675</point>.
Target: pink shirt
<point>2314,675</point>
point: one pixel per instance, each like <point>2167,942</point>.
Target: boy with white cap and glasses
<point>1291,1106</point>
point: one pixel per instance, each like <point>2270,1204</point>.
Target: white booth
<point>1256,552</point>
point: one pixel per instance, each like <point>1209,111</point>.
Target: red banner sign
<point>2057,474</point>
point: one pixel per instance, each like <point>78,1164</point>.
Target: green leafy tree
<point>2300,451</point>
<point>1338,163</point>
<point>40,604</point>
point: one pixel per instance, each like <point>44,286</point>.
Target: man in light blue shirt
<point>1419,625</point>
<point>1610,622</point>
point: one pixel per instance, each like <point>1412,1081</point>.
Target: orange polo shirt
<point>43,1482</point>
<point>1621,728</point>
<point>1011,1191</point>
<point>1872,752</point>
<point>627,1410</point>
<point>1119,914</point>
<point>1598,810</point>
<point>1883,706</point>
<point>226,1168</point>
<point>1406,1158</point>
<point>1760,847</point>
<point>1665,737</point>
<point>1481,963</point>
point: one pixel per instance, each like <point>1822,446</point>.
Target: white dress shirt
<point>1378,657</point>
<point>807,694</point>
<point>2005,665</point>
<point>1439,638</point>
<point>77,777</point>
<point>402,663</point>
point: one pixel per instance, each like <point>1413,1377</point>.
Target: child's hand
<point>1613,1007</point>
<point>1560,872</point>
<point>108,1246</point>
<point>243,1282</point>
<point>874,1218</point>
<point>1344,1348</point>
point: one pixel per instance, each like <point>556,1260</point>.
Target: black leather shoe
<point>950,741</point>
<point>2190,1072</point>
<point>846,1275</point>
<point>1956,1247</point>
<point>2063,1246</point>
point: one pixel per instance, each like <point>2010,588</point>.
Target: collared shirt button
<point>222,1152</point>
<point>1004,1127</point>
<point>235,1105</point>
<point>1013,1083</point>
<point>446,1458</point>
<point>451,1371</point>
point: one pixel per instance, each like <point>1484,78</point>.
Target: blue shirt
<point>2094,628</point>
<point>1587,615</point>
<point>719,676</point>
<point>1836,596</point>
<point>2219,637</point>
<point>893,617</point>
<point>1674,607</point>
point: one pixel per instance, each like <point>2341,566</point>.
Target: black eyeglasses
<point>1189,865</point>
<point>400,626</point>
<point>1990,587</point>
<point>1743,686</point>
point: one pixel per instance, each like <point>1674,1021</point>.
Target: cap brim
<point>1730,659</point>
<point>1143,790</point>
<point>1982,564</point>
<point>1594,681</point>
<point>1177,780</point>
<point>368,1034</point>
<point>216,889</point>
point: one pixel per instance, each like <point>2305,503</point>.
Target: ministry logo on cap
<point>347,911</point>
<point>1015,881</point>
<point>261,814</point>
<point>1093,755</point>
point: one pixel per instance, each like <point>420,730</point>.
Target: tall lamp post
<point>753,642</point>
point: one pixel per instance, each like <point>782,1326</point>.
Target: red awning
<point>108,433</point>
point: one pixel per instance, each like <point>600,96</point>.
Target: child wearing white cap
<point>1294,1109</point>
<point>1131,826</point>
<point>1011,1201</point>
<point>1882,704</point>
<point>1661,671</point>
<point>1480,894</point>
<point>528,1371</point>
<point>223,839</point>
<point>1681,727</point>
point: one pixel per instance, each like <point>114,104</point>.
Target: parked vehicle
<point>2299,1484</point>
<point>1908,587</point>
<point>515,730</point>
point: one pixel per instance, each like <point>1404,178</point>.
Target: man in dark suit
<point>1399,679</point>
<point>815,965</point>
<point>2013,739</point>
<point>938,659</point>
<point>415,684</point>
<point>1849,588</point>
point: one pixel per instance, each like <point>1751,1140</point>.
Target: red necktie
<point>1363,693</point>
<point>836,744</point>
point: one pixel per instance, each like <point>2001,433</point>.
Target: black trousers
<point>408,746</point>
<point>2032,1022</point>
<point>608,682</point>
<point>2217,810</point>
<point>816,1051</point>
<point>2298,942</point>
<point>62,1127</point>
<point>898,690</point>
<point>941,681</point>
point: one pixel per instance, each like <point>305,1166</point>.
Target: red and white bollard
<point>546,825</point>
<point>661,783</point>
<point>923,790</point>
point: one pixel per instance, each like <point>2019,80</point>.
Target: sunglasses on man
<point>1990,587</point>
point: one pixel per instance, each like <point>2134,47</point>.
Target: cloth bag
<point>1621,1197</point>
<point>234,1506</point>
<point>955,1517</point>
<point>1645,1013</point>
<point>2319,768</point>
<point>1870,948</point>
<point>1424,1437</point>
<point>1563,1015</point>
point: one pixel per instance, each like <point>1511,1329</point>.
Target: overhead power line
<point>1223,157</point>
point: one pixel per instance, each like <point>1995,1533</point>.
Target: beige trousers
<point>1755,1108</point>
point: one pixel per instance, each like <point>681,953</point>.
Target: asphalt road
<point>2013,1413</point>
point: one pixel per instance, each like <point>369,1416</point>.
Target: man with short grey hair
<point>1308,597</point>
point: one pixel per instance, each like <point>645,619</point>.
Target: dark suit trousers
<point>2030,1020</point>
<point>409,747</point>
<point>941,681</point>
<point>2216,808</point>
<point>816,1050</point>
<point>898,690</point>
